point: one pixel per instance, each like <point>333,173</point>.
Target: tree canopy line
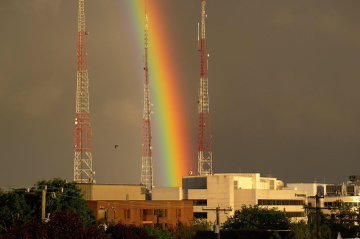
<point>70,217</point>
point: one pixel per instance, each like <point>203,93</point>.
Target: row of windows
<point>197,215</point>
<point>158,212</point>
<point>103,213</point>
<point>337,204</point>
<point>265,202</point>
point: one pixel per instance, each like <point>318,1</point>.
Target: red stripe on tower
<point>205,161</point>
<point>83,172</point>
<point>146,158</point>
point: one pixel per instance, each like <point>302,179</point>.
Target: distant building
<point>348,188</point>
<point>126,204</point>
<point>332,195</point>
<point>200,195</point>
<point>164,214</point>
<point>233,191</point>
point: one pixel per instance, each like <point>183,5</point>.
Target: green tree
<point>343,214</point>
<point>158,233</point>
<point>202,225</point>
<point>14,211</point>
<point>343,218</point>
<point>255,217</point>
<point>324,225</point>
<point>184,232</point>
<point>62,196</point>
<point>120,231</point>
<point>62,225</point>
<point>20,206</point>
<point>300,230</point>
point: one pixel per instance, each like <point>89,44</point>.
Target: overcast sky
<point>284,82</point>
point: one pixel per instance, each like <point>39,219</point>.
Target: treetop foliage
<point>255,217</point>
<point>19,206</point>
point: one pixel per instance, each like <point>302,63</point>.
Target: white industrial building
<point>232,191</point>
<point>331,195</point>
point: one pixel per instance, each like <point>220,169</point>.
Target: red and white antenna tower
<point>83,172</point>
<point>205,161</point>
<point>146,158</point>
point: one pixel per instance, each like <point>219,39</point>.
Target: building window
<point>178,212</point>
<point>328,204</point>
<point>147,212</point>
<point>127,213</point>
<point>337,204</point>
<point>268,202</point>
<point>200,202</point>
<point>159,213</point>
<point>101,214</point>
<point>200,215</point>
<point>235,184</point>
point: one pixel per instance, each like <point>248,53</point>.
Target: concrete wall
<point>197,194</point>
<point>310,189</point>
<point>244,197</point>
<point>220,190</point>
<point>244,182</point>
<point>168,193</point>
<point>220,194</point>
<point>112,192</point>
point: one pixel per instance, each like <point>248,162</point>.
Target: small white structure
<point>311,189</point>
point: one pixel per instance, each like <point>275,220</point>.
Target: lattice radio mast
<point>205,161</point>
<point>146,159</point>
<point>83,172</point>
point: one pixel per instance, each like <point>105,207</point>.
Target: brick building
<point>165,214</point>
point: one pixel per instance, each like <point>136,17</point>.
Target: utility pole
<point>146,157</point>
<point>217,223</point>
<point>43,204</point>
<point>205,162</point>
<point>83,172</point>
<point>317,214</point>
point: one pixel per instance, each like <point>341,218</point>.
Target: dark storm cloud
<point>289,71</point>
<point>283,75</point>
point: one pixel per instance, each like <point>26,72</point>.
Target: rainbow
<point>172,153</point>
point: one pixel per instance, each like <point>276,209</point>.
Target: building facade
<point>164,214</point>
<point>232,191</point>
<point>331,197</point>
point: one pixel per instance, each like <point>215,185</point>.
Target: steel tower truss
<point>146,159</point>
<point>205,161</point>
<point>83,172</point>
